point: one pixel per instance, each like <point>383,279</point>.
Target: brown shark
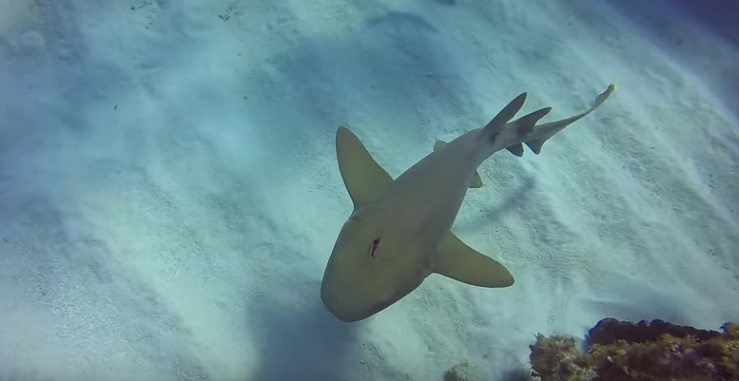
<point>400,230</point>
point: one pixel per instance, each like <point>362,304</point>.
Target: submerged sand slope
<point>169,193</point>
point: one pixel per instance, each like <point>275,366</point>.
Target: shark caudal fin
<point>541,133</point>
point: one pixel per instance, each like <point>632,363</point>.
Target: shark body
<point>400,229</point>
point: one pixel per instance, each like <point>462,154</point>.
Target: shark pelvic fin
<point>476,180</point>
<point>364,179</point>
<point>516,149</point>
<point>456,260</point>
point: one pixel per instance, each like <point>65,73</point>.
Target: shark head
<point>370,268</point>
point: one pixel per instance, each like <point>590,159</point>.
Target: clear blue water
<point>169,193</point>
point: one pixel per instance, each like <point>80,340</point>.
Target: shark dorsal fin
<point>476,180</point>
<point>506,114</point>
<point>456,260</point>
<point>364,179</point>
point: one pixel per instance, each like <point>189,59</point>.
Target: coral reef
<point>645,351</point>
<point>608,331</point>
<point>460,372</point>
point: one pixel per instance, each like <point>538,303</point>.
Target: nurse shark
<point>400,229</point>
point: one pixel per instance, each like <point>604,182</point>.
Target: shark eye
<point>375,246</point>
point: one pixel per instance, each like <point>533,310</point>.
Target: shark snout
<point>350,305</point>
<point>350,315</point>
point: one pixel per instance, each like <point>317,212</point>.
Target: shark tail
<point>536,144</point>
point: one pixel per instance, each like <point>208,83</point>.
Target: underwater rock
<point>648,351</point>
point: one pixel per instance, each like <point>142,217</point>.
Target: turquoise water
<point>170,194</point>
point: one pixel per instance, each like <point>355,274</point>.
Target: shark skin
<point>400,229</point>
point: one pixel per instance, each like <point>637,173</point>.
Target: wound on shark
<point>400,229</point>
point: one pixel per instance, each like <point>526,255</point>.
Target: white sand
<point>169,193</point>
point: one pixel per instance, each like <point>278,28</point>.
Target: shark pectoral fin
<point>516,149</point>
<point>458,261</point>
<point>364,179</point>
<point>557,126</point>
<point>476,180</point>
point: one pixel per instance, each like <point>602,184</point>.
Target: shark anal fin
<point>476,180</point>
<point>516,149</point>
<point>364,179</point>
<point>458,261</point>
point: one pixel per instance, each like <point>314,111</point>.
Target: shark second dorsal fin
<point>554,127</point>
<point>364,179</point>
<point>456,260</point>
<point>525,124</point>
<point>476,180</point>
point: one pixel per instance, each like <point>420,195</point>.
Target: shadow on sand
<point>304,344</point>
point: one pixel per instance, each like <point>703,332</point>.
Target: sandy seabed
<point>169,193</point>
